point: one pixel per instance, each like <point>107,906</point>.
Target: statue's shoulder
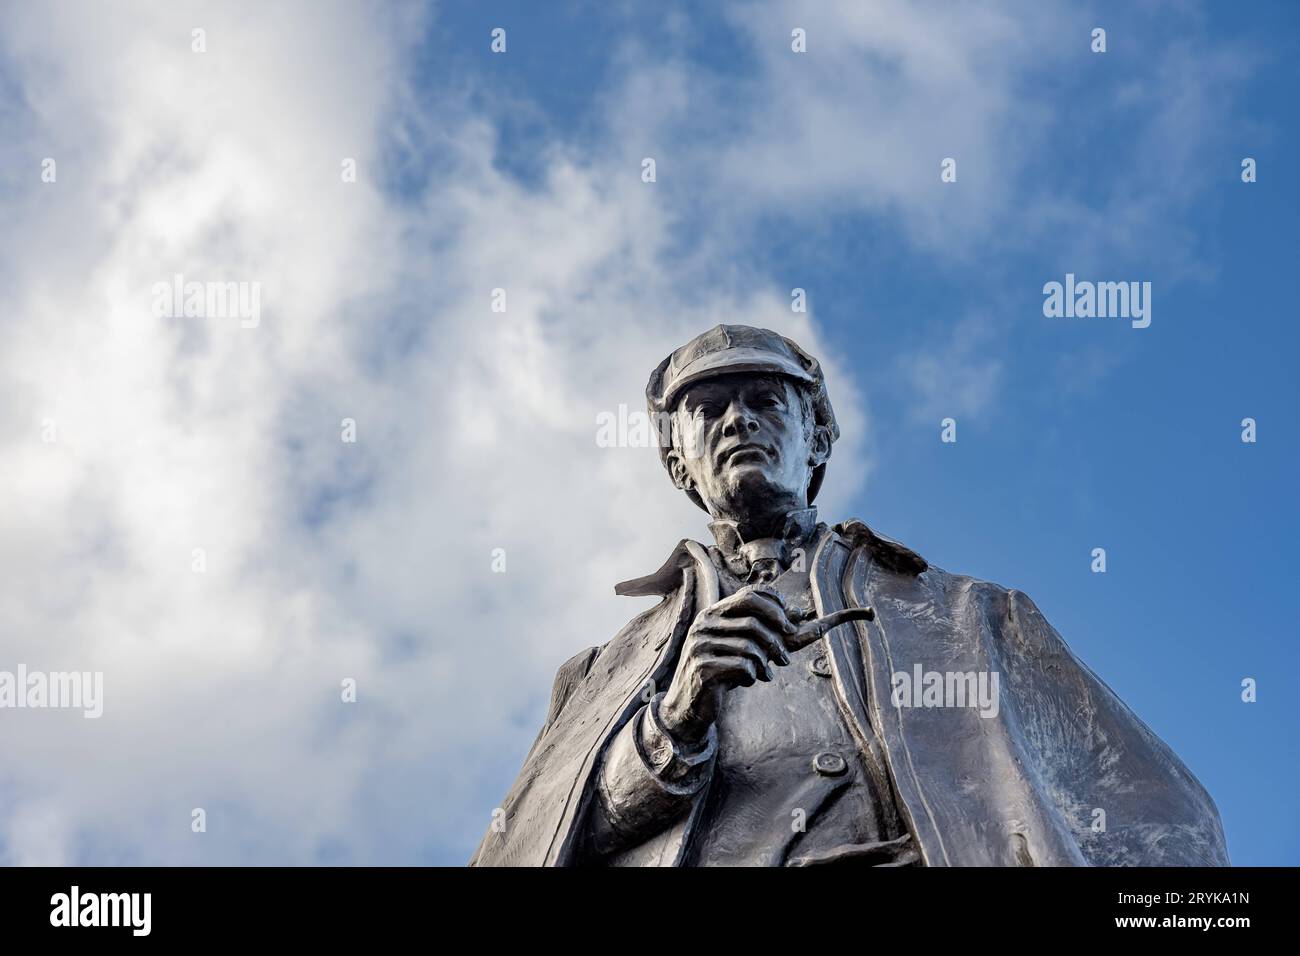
<point>903,560</point>
<point>886,551</point>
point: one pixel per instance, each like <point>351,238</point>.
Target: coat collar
<point>856,534</point>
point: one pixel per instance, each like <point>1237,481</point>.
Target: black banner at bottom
<point>918,905</point>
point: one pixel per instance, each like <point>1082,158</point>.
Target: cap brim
<point>733,361</point>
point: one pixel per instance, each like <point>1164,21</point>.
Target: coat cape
<point>1019,789</point>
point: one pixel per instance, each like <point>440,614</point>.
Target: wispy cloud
<point>956,375</point>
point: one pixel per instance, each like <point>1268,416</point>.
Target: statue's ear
<point>677,469</point>
<point>821,446</point>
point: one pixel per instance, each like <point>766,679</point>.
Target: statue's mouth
<point>742,453</point>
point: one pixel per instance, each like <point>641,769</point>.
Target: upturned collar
<point>892,555</point>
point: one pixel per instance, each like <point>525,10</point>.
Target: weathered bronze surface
<point>805,694</point>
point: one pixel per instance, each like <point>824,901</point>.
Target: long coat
<point>1018,789</point>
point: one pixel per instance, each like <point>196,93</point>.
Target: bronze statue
<point>805,694</point>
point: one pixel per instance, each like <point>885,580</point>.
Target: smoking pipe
<point>818,627</point>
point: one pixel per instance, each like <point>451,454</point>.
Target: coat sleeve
<point>567,679</point>
<point>1127,798</point>
<point>540,820</point>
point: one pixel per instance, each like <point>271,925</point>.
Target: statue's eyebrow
<point>768,384</point>
<point>694,396</point>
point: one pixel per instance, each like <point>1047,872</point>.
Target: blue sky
<point>372,560</point>
<point>1094,434</point>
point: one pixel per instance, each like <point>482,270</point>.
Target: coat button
<point>829,765</point>
<point>820,666</point>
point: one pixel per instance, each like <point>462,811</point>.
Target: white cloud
<point>324,560</point>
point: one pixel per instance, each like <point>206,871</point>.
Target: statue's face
<point>755,447</point>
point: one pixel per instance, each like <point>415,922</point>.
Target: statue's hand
<point>728,645</point>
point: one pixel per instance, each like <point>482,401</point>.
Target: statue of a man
<point>805,694</point>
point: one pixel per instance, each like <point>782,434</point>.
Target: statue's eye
<point>707,409</point>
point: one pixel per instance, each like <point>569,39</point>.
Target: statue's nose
<point>739,421</point>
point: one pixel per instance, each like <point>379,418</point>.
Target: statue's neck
<point>793,525</point>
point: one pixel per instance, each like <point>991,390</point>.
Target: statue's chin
<point>749,490</point>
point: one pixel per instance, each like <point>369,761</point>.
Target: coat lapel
<point>618,685</point>
<point>848,672</point>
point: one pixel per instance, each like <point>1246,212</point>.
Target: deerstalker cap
<point>730,349</point>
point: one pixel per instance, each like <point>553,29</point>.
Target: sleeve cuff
<point>673,763</point>
<point>647,780</point>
